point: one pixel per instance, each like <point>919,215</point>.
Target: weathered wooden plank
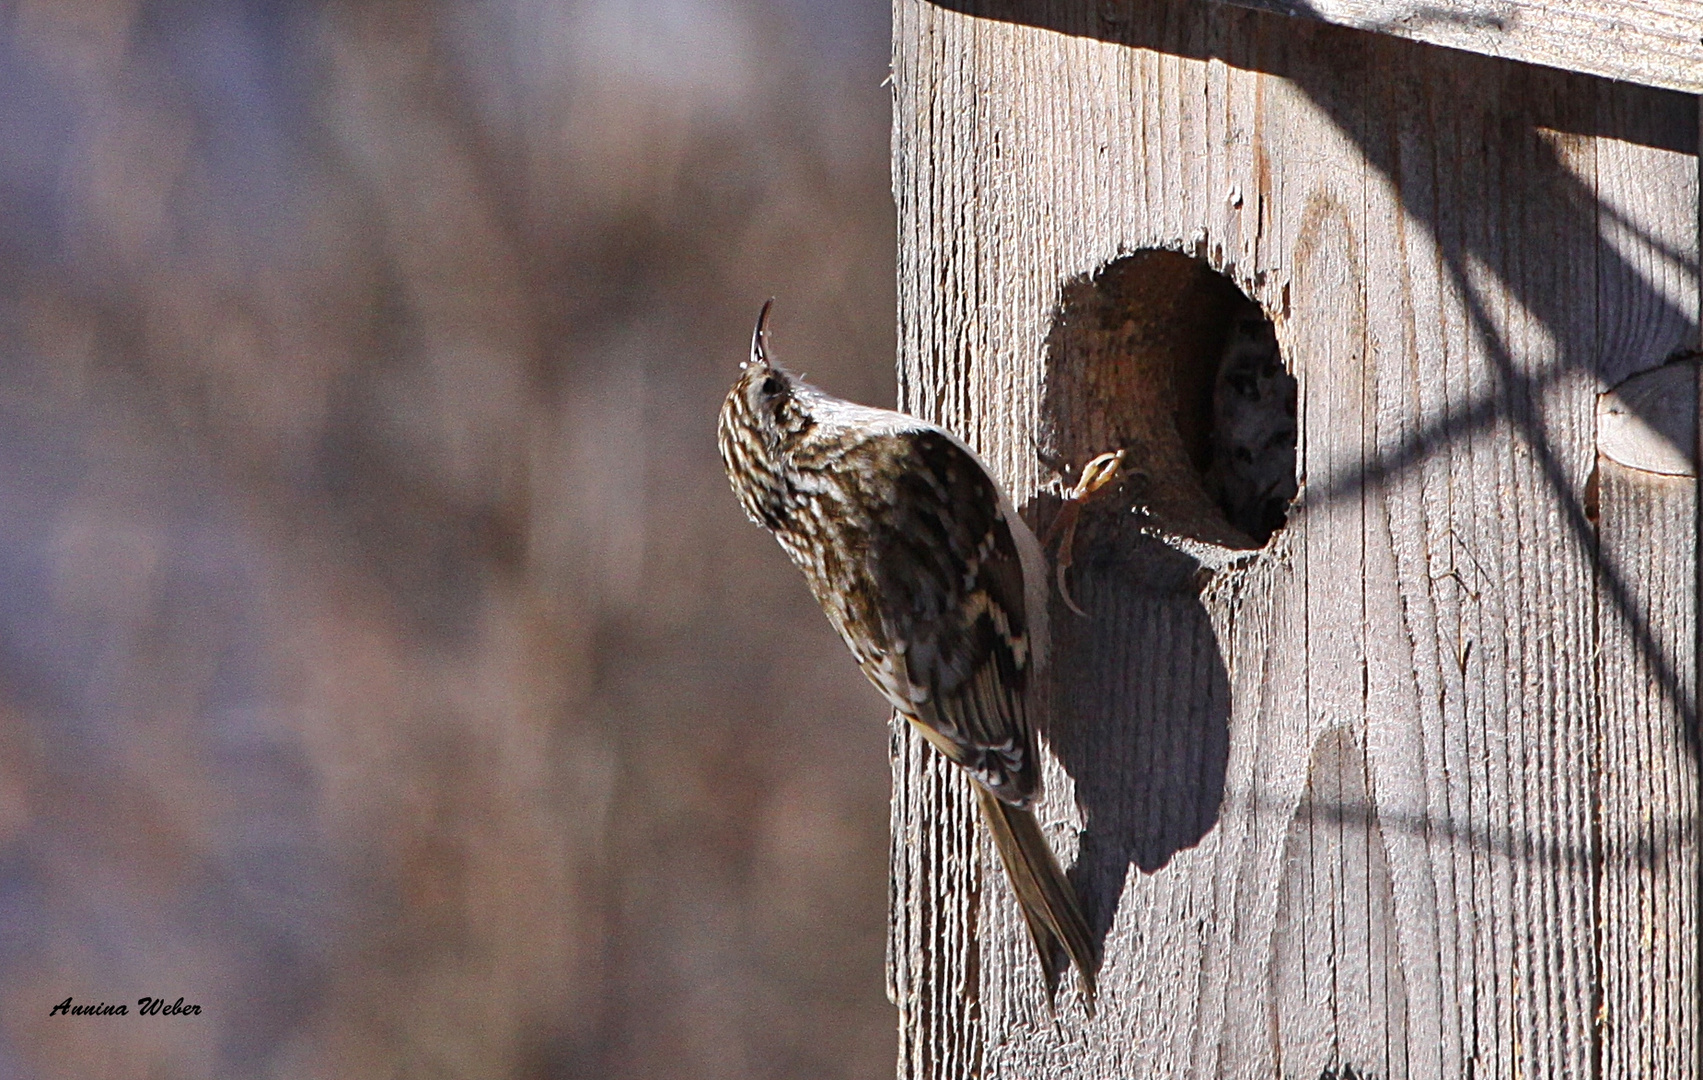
<point>1647,644</point>
<point>1653,42</point>
<point>1649,778</point>
<point>1339,808</point>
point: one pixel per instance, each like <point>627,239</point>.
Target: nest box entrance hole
<point>1165,358</point>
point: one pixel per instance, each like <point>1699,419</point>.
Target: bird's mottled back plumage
<point>912,550</point>
<point>932,580</point>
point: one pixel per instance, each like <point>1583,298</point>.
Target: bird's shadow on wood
<point>1140,708</point>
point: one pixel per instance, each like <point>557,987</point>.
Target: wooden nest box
<point>1375,750</point>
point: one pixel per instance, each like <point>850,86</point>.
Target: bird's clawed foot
<point>1100,473</point>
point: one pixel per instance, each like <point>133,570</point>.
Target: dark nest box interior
<point>1162,356</point>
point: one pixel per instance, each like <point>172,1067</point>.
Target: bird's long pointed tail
<point>1049,903</point>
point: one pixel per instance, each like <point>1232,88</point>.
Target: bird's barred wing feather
<point>950,595</point>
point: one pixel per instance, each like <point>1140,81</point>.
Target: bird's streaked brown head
<point>759,418</point>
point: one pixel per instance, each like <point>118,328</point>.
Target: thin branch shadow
<point>1649,848</point>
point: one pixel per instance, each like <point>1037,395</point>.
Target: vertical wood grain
<point>1345,805</point>
<point>1649,783</point>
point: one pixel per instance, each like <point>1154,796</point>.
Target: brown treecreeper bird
<point>935,584</point>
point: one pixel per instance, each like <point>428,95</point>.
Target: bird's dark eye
<point>771,386</point>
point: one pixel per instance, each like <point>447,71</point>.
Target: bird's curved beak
<point>760,336</point>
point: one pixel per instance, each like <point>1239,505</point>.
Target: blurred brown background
<point>384,664</point>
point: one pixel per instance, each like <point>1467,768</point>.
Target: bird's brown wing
<point>949,591</point>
